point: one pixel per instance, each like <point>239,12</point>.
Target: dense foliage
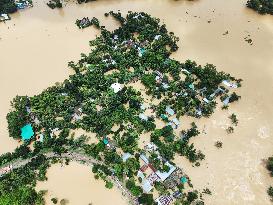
<point>269,166</point>
<point>261,6</point>
<point>7,6</point>
<point>55,4</point>
<point>270,192</point>
<point>23,192</point>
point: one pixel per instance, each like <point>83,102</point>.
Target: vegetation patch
<point>85,22</point>
<point>261,6</point>
<point>7,6</point>
<point>54,4</point>
<point>270,192</point>
<point>270,165</point>
<point>218,144</point>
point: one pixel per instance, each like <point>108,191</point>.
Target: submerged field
<point>234,173</point>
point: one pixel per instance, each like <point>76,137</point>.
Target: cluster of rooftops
<point>27,130</point>
<point>150,175</point>
<point>21,4</point>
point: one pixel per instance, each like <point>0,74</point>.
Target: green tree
<point>146,199</point>
<point>21,195</point>
<point>54,200</point>
<point>7,6</point>
<point>109,185</point>
<point>269,165</point>
<point>270,192</point>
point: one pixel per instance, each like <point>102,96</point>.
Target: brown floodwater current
<point>37,44</point>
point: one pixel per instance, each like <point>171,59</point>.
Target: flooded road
<point>37,44</point>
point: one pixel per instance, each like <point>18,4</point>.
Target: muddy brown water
<point>37,43</point>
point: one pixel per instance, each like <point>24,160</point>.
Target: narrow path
<point>70,155</point>
<point>78,157</point>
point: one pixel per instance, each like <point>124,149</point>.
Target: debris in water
<point>226,33</point>
<point>248,40</point>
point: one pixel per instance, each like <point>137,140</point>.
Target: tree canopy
<point>261,6</point>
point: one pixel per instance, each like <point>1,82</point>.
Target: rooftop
<point>165,175</point>
<point>27,132</point>
<point>126,156</point>
<point>170,111</point>
<point>147,187</point>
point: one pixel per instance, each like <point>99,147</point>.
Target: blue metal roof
<point>27,132</point>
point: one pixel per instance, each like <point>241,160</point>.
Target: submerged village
<point>133,116</point>
<point>125,89</point>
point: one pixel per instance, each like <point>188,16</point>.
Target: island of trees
<point>7,6</point>
<point>103,96</point>
<point>261,6</point>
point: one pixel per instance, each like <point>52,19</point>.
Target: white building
<point>205,100</point>
<point>116,87</point>
<point>157,37</point>
<point>150,147</point>
<point>231,85</point>
<point>165,175</point>
<point>143,116</point>
<point>226,101</point>
<point>4,17</point>
<point>126,156</point>
<point>169,111</point>
<point>146,185</point>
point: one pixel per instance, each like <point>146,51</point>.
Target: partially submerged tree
<point>261,6</point>
<point>234,119</point>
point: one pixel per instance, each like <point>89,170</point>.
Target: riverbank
<point>246,180</point>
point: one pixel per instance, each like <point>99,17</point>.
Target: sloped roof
<point>126,156</point>
<point>226,101</point>
<point>147,187</point>
<point>144,158</point>
<point>176,121</point>
<point>165,175</point>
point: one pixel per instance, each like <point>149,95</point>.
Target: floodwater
<point>77,184</point>
<point>37,44</point>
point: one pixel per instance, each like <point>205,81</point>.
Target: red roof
<point>152,167</point>
<point>144,168</point>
